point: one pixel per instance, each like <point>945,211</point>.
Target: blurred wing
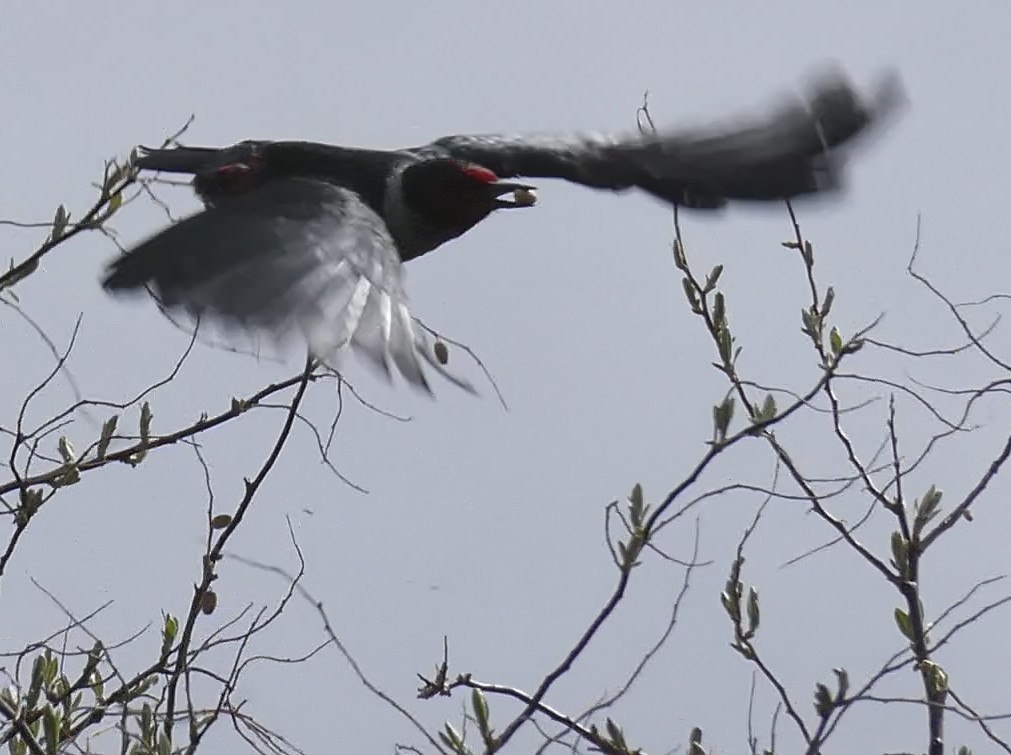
<point>290,254</point>
<point>791,152</point>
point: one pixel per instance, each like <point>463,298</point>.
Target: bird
<point>310,239</point>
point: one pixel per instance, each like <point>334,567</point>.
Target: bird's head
<point>458,195</point>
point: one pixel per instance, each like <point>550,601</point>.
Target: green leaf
<point>145,433</point>
<point>842,678</point>
<point>812,323</point>
<point>723,414</point>
<point>767,410</point>
<point>719,310</point>
<point>169,631</point>
<point>35,687</point>
<point>712,279</point>
<point>936,676</point>
<point>108,430</point>
<point>171,628</point>
<point>480,706</point>
<point>836,341</point>
<point>147,724</point>
<point>114,172</point>
<point>98,686</point>
<point>726,344</point>
<point>451,739</point>
<point>808,254</point>
<point>693,299</point>
<point>61,687</point>
<point>146,417</point>
<point>853,346</point>
<point>616,735</point>
<point>904,623</point>
<point>51,667</point>
<point>70,476</point>
<point>60,221</point>
<point>637,508</point>
<point>635,498</point>
<point>822,700</point>
<point>66,449</point>
<point>680,261</point>
<point>753,613</point>
<point>826,306</point>
<point>29,501</point>
<point>9,696</point>
<point>900,554</point>
<point>52,718</point>
<point>926,509</point>
<point>631,551</point>
<point>731,600</point>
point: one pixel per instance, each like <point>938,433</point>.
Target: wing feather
<point>289,255</point>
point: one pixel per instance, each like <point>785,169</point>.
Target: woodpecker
<point>301,237</point>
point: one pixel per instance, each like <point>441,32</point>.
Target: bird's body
<point>312,237</point>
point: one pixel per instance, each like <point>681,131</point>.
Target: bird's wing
<point>792,151</point>
<point>289,254</point>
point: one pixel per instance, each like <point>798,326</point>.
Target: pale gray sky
<point>482,524</point>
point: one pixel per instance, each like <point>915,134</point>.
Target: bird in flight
<point>308,238</point>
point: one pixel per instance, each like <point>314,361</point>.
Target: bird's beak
<point>508,194</point>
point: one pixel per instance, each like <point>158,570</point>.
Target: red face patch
<point>479,172</point>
